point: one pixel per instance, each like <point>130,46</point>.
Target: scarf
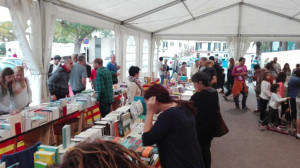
<point>137,82</point>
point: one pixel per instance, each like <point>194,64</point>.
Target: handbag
<point>221,128</point>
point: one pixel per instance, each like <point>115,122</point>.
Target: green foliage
<point>67,32</point>
<point>6,31</point>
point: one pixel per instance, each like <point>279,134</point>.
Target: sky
<point>4,14</point>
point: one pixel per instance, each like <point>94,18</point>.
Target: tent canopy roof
<point>198,19</point>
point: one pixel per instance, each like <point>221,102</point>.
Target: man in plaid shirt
<point>104,87</point>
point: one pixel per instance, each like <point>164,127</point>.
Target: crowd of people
<point>184,130</point>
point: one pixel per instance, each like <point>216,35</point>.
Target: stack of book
<point>146,153</point>
<point>46,156</point>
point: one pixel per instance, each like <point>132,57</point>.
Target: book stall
<point>51,129</point>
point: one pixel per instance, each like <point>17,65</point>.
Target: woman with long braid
<point>101,154</point>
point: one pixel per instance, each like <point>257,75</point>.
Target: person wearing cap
<point>195,67</point>
<point>53,67</point>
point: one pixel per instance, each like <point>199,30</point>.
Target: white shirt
<point>194,70</point>
<point>276,100</point>
<point>160,65</point>
<point>55,67</point>
<point>133,90</point>
<point>202,68</point>
<point>6,102</point>
<point>24,98</point>
<point>265,90</point>
<point>277,68</point>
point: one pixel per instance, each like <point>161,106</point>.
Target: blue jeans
<point>162,78</point>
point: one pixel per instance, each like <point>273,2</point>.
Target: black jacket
<point>58,82</point>
<point>207,104</point>
<point>50,71</point>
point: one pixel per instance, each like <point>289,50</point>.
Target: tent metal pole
<point>188,10</point>
<point>271,12</point>
<point>91,13</point>
<point>239,31</point>
<point>82,10</point>
<point>228,35</point>
<point>296,15</point>
<point>153,11</point>
<point>198,17</point>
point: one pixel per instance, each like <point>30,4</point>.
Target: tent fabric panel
<point>259,22</point>
<point>2,3</point>
<point>77,17</point>
<point>210,24</point>
<point>163,18</point>
<point>120,9</point>
<point>201,7</point>
<point>287,7</point>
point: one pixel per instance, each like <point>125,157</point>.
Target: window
<point>145,57</point>
<point>165,45</point>
<point>155,58</point>
<point>130,53</point>
<point>209,47</point>
<point>198,46</point>
<point>172,43</point>
<point>219,47</point>
<point>185,46</point>
<point>224,46</point>
<point>180,45</point>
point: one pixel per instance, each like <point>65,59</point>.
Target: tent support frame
<point>272,12</point>
<point>229,35</point>
<point>198,17</point>
<point>153,11</point>
<point>188,10</point>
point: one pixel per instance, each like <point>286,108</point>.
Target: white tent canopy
<point>236,21</point>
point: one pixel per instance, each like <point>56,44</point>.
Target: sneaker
<point>225,97</point>
<point>270,125</point>
<point>260,121</point>
<point>278,128</point>
<point>245,108</point>
<point>261,127</point>
<point>238,108</point>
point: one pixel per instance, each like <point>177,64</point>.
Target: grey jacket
<point>58,82</point>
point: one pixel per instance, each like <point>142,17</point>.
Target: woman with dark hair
<point>7,104</point>
<point>286,69</point>
<point>264,95</point>
<point>174,131</point>
<point>102,154</point>
<point>206,101</point>
<point>134,86</point>
<point>274,103</point>
<point>230,78</point>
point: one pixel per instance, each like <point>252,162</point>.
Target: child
<point>22,91</point>
<point>273,107</point>
<point>6,92</point>
<point>264,95</point>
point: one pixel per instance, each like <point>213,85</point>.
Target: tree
<point>67,32</point>
<point>78,32</point>
<point>6,31</point>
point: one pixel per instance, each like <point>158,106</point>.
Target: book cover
<point>50,149</point>
<point>66,136</point>
<point>12,121</point>
<point>40,165</point>
<point>44,156</point>
<point>147,153</point>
